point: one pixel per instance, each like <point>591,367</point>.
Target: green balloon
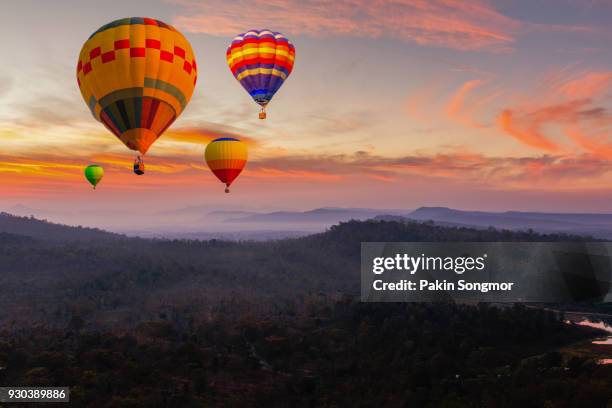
<point>94,174</point>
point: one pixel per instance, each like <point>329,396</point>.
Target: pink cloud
<point>500,173</point>
<point>588,85</point>
<point>598,146</point>
<point>455,24</point>
<point>571,105</point>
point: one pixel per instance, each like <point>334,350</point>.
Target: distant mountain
<point>47,231</point>
<point>244,235</point>
<point>20,209</point>
<point>231,213</point>
<point>205,210</point>
<point>597,225</point>
<point>328,215</point>
<point>191,210</point>
<point>205,222</point>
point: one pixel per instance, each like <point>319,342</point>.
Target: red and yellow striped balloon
<point>261,60</point>
<point>226,157</point>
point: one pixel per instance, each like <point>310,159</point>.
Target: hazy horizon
<point>244,222</point>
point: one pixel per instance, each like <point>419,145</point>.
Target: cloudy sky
<point>491,105</point>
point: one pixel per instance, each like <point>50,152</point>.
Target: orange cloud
<point>456,108</point>
<point>263,171</point>
<point>204,134</point>
<point>28,167</point>
<point>48,175</point>
<point>527,133</point>
<point>569,105</point>
<point>597,146</point>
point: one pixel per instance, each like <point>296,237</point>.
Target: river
<point>606,341</point>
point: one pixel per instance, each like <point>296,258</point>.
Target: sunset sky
<point>493,105</point>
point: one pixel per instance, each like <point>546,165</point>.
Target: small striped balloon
<point>226,157</point>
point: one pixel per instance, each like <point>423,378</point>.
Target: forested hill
<point>47,231</point>
<point>348,236</point>
<point>117,282</point>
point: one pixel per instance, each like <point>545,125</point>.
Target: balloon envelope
<point>94,174</point>
<point>136,75</point>
<point>226,158</point>
<point>261,60</point>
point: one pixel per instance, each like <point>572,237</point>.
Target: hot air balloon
<point>261,60</point>
<point>94,174</point>
<point>137,75</point>
<point>226,157</point>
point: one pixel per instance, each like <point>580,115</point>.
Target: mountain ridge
<point>596,224</point>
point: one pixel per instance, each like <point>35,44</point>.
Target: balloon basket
<point>262,114</point>
<point>139,166</point>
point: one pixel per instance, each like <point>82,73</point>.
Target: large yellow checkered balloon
<point>137,75</point>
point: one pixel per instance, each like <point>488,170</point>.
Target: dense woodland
<point>343,354</point>
<point>129,322</point>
